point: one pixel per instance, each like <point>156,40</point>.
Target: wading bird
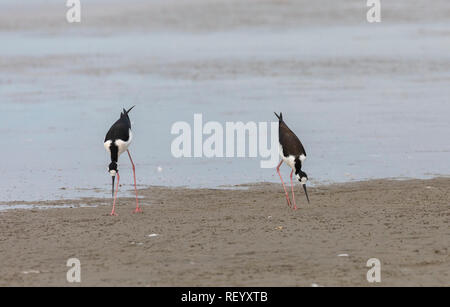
<point>293,154</point>
<point>116,143</point>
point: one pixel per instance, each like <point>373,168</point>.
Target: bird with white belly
<point>293,154</point>
<point>116,143</point>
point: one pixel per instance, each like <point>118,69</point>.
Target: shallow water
<point>366,101</point>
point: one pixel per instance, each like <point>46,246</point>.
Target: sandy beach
<point>245,236</point>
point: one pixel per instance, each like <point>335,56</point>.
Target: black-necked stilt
<point>116,143</point>
<point>293,154</point>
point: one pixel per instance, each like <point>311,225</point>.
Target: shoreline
<point>237,237</point>
<point>128,192</point>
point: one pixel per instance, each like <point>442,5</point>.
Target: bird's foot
<point>113,214</point>
<point>295,207</point>
<point>138,210</point>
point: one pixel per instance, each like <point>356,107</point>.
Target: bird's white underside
<point>290,160</point>
<point>107,145</point>
<point>123,146</point>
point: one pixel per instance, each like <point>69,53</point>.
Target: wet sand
<point>245,236</point>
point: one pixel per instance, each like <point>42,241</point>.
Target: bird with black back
<point>117,141</point>
<point>293,154</point>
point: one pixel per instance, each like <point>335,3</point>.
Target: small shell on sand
<point>31,272</point>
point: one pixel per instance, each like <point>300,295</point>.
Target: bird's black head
<point>112,169</point>
<point>301,176</point>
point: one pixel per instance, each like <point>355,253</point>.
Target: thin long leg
<point>113,212</point>
<point>292,188</point>
<point>135,188</point>
<point>285,191</point>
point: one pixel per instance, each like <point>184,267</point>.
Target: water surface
<point>367,102</point>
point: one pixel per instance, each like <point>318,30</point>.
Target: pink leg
<point>113,212</point>
<point>285,192</point>
<point>135,188</point>
<point>292,188</point>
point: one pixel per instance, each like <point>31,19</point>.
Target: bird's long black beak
<point>113,179</point>
<point>306,192</point>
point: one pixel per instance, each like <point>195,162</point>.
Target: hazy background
<point>367,100</point>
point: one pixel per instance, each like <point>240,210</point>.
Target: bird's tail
<point>125,112</point>
<point>280,117</point>
<point>130,109</point>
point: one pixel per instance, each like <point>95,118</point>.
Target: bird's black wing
<point>289,141</point>
<point>120,130</point>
